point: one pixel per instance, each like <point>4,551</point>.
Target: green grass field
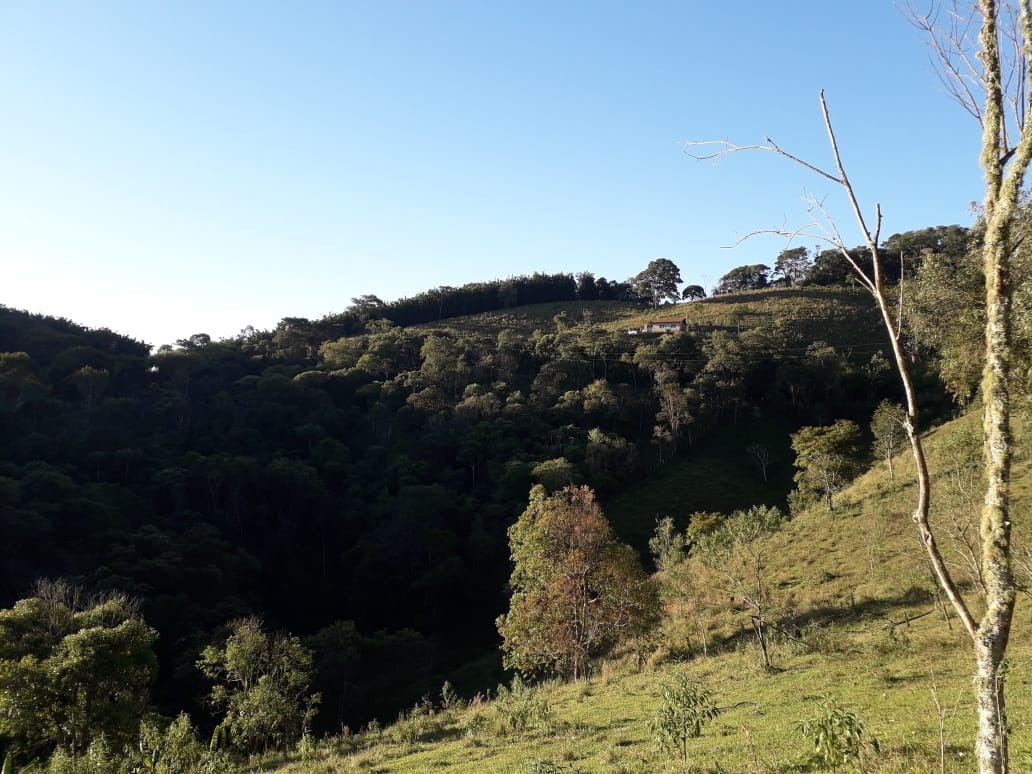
<point>873,637</point>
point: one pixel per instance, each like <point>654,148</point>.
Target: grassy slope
<point>717,475</point>
<point>851,572</point>
<point>844,317</point>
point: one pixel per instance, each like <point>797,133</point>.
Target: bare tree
<point>990,80</point>
<point>761,454</point>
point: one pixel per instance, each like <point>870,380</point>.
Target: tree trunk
<point>761,637</point>
<point>991,743</point>
<point>1002,189</point>
<point>995,527</point>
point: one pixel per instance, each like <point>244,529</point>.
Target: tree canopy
<point>576,591</point>
<point>72,668</point>
<point>658,282</point>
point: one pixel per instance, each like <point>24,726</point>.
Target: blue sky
<point>176,168</point>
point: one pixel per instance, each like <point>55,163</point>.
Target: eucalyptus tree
<point>576,590</point>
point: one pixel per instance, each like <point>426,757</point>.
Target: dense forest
<point>351,480</point>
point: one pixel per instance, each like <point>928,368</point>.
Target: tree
<point>827,457</point>
<point>18,379</point>
<point>575,590</point>
<point>736,552</point>
<point>587,290</point>
<point>1004,61</point>
<point>553,474</point>
<point>693,293</point>
<point>952,278</point>
<point>685,706</point>
<point>887,428</point>
<point>658,282</point>
<point>741,278</point>
<point>73,667</point>
<point>679,584</point>
<point>990,79</point>
<point>792,264</point>
<point>91,383</point>
<point>667,545</point>
<point>676,406</point>
<point>366,306</point>
<point>262,681</point>
<point>761,454</point>
<point>196,341</point>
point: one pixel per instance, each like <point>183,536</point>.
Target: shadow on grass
<point>837,293</point>
<point>800,627</point>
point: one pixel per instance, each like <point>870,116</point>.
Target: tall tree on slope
<point>1004,60</point>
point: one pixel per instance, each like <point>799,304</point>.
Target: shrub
<point>685,706</point>
<point>837,735</point>
<point>262,681</point>
<point>306,748</point>
<point>168,750</point>
<point>449,699</point>
<point>519,707</point>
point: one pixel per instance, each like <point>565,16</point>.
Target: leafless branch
<point>951,31</point>
<point>951,42</point>
<point>726,148</point>
<point>824,229</point>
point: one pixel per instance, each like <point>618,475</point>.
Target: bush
<point>262,681</point>
<point>168,750</point>
<point>685,706</point>
<point>449,699</point>
<point>837,735</point>
<point>519,707</point>
<point>306,748</point>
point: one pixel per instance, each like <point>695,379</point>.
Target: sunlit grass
<point>874,638</point>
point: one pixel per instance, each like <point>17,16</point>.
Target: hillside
<point>354,492</point>
<point>871,636</point>
<point>814,313</point>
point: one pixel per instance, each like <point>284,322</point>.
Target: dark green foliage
<point>693,292</point>
<point>375,468</point>
<point>752,277</point>
<point>946,309</point>
<point>361,676</point>
<point>658,282</point>
<point>791,265</point>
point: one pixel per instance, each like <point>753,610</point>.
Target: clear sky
<point>169,168</point>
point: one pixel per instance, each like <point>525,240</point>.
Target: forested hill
<point>356,489</point>
<point>373,480</point>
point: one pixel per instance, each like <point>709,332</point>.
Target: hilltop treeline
<point>476,298</point>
